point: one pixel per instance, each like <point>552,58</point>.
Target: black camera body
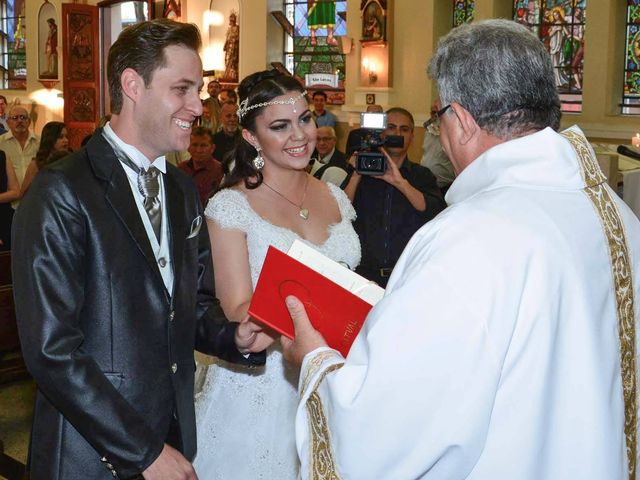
<point>366,142</point>
<point>371,163</point>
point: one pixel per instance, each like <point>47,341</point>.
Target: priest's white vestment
<point>495,353</point>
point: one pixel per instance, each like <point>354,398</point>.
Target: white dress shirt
<point>160,249</point>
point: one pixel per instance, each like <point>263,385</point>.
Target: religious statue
<point>232,50</point>
<point>18,36</point>
<point>172,10</point>
<point>51,50</point>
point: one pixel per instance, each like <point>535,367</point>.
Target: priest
<point>506,344</point>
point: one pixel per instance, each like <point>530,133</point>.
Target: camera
<point>367,140</point>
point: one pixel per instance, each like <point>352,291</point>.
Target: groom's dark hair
<point>141,47</point>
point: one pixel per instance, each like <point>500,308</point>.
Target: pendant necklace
<point>302,212</point>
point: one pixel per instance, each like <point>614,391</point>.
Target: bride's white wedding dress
<point>245,417</point>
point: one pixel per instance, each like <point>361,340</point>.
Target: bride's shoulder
<point>344,204</point>
<point>228,207</point>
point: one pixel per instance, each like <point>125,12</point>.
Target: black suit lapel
<point>118,194</point>
<point>177,223</point>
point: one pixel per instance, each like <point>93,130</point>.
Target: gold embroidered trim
<point>314,365</point>
<point>591,171</point>
<point>622,277</point>
<point>322,465</point>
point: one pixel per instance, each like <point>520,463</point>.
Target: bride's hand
<point>251,337</point>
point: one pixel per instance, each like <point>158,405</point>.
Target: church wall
<point>413,37</point>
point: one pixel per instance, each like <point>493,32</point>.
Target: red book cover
<point>334,311</point>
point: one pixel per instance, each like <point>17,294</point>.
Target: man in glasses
<point>506,344</point>
<point>327,159</point>
<point>390,208</point>
<point>20,143</point>
<point>433,157</point>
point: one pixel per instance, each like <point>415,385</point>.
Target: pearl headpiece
<point>245,107</point>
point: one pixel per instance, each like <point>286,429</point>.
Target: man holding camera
<point>391,207</point>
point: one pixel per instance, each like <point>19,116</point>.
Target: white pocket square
<point>195,227</point>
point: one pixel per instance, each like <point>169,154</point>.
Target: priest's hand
<point>251,337</point>
<point>307,338</point>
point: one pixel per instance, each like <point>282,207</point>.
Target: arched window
<point>463,11</point>
<point>631,92</point>
<point>560,24</point>
<point>314,33</point>
<point>13,58</point>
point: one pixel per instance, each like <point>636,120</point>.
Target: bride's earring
<point>258,162</point>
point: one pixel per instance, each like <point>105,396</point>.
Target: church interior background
<point>372,50</point>
<point>358,51</point>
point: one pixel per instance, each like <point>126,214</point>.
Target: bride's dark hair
<point>257,88</point>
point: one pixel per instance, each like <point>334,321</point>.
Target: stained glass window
<point>560,24</point>
<point>463,11</point>
<point>13,58</point>
<point>631,94</point>
<point>312,48</point>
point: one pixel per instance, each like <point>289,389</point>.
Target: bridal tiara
<point>245,107</point>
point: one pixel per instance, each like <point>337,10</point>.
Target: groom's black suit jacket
<point>109,347</point>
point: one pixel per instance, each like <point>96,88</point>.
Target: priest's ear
<point>468,126</point>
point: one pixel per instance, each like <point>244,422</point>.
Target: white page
<point>367,290</point>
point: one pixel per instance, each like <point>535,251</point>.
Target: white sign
<point>326,79</point>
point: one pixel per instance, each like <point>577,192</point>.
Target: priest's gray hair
<point>499,72</point>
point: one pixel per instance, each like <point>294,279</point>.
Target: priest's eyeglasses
<point>435,118</point>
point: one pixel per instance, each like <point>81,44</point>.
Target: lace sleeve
<point>229,209</point>
<point>344,204</point>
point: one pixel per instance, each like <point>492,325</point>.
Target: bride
<point>246,418</point>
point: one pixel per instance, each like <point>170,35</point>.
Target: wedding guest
<point>9,191</point>
<point>505,345</point>
<point>322,116</point>
<point>213,106</point>
<point>392,207</point>
<point>54,138</point>
<point>228,136</point>
<point>205,170</point>
<point>20,144</point>
<point>268,199</point>
<point>206,119</point>
<point>4,126</point>
<point>227,95</point>
<point>433,156</point>
<point>329,164</point>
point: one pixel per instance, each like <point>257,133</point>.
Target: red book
<point>334,311</point>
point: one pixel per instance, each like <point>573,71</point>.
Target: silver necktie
<point>148,186</point>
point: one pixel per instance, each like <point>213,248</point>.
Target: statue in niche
<point>232,49</point>
<point>172,10</point>
<point>51,50</point>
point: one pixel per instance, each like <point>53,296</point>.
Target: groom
<point>113,280</point>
